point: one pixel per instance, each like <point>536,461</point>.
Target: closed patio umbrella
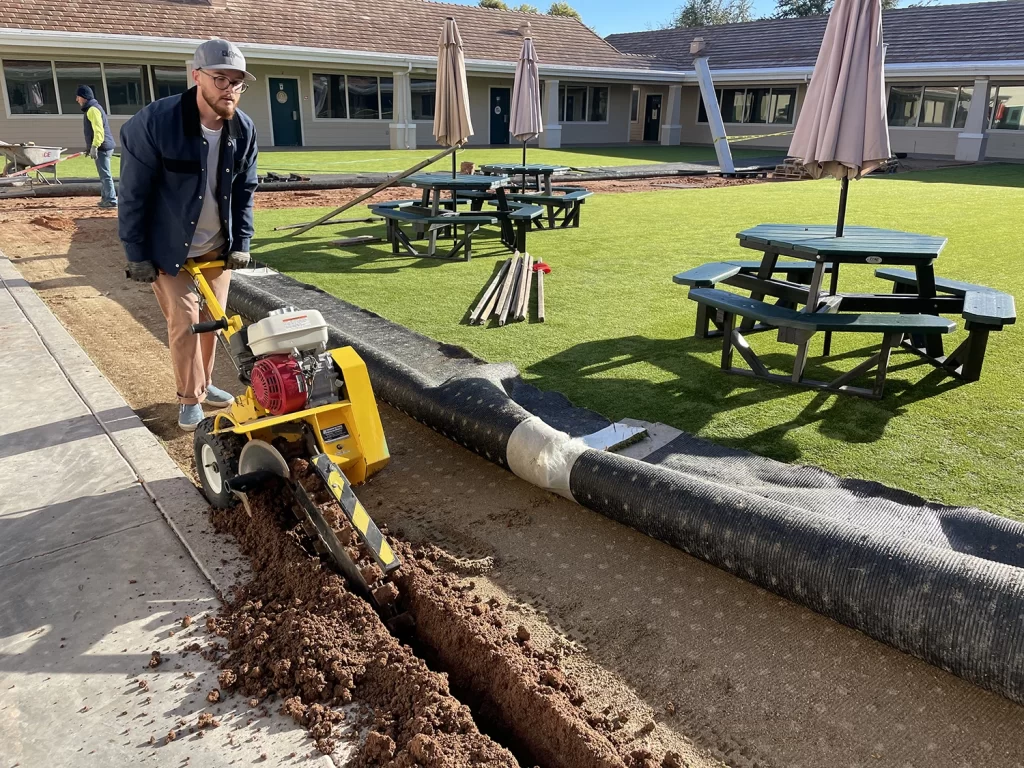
<point>452,125</point>
<point>842,130</point>
<point>526,121</point>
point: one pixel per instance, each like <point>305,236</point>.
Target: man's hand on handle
<point>94,152</point>
<point>238,260</point>
<point>140,271</point>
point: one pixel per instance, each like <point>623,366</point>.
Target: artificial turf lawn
<point>619,333</point>
<point>384,160</point>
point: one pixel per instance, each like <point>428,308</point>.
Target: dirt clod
<point>522,634</point>
<point>379,748</point>
<point>56,223</point>
<point>227,678</point>
<point>207,720</point>
<point>213,696</point>
<point>186,621</point>
<point>171,736</point>
<point>155,659</point>
<point>672,760</point>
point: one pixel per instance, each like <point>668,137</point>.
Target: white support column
<point>671,125</point>
<point>698,48</point>
<point>551,138</point>
<point>970,145</point>
<point>403,129</point>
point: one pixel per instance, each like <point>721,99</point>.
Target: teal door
<point>501,108</point>
<point>284,112</point>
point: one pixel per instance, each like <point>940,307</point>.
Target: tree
<point>791,9</point>
<point>526,8</point>
<point>564,9</point>
<point>497,5</point>
<point>706,13</point>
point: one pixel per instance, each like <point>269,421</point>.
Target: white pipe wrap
<point>542,455</point>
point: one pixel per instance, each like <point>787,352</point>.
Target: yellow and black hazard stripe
<point>356,513</point>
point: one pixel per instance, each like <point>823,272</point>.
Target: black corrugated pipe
<point>921,592</point>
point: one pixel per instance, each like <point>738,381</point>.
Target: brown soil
<point>726,672</point>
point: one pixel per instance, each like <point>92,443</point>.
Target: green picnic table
<point>539,172</point>
<point>434,184</point>
<point>858,245</point>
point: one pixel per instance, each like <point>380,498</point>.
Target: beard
<point>224,108</point>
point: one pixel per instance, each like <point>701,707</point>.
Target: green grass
<point>359,160</point>
<point>619,334</point>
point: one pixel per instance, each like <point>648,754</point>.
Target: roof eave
<point>185,47</point>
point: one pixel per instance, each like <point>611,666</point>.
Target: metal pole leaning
<point>372,192</point>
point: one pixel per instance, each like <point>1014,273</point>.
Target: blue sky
<point>608,16</point>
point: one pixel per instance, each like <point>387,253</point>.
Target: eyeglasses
<point>226,83</point>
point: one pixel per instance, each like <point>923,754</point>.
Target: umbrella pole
<point>841,220</point>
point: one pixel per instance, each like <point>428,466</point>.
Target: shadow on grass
<point>314,253</point>
<point>696,392</point>
<point>996,175</point>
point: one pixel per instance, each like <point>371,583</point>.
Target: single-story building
<point>939,61</point>
<point>333,73</point>
<point>360,73</point>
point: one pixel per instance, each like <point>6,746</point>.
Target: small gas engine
<point>284,358</point>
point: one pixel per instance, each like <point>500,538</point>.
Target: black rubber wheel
<point>216,458</point>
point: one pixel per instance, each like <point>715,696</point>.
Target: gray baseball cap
<point>220,54</point>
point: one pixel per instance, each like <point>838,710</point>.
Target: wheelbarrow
<point>31,159</point>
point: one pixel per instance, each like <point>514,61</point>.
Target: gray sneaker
<point>189,416</point>
<point>217,397</point>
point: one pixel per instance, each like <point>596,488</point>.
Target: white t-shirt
<point>209,231</point>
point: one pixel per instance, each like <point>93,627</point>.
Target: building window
<point>127,87</point>
<point>169,81</point>
<point>30,88</point>
<point>573,101</point>
<point>932,106</point>
<point>387,98</point>
<point>753,105</point>
<point>634,105</point>
<point>70,75</point>
<point>363,99</point>
<point>329,96</point>
<point>424,94</point>
<point>963,106</point>
<point>1008,108</point>
<point>357,97</point>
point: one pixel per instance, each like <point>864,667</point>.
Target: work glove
<point>140,271</point>
<point>238,260</point>
<point>94,152</point>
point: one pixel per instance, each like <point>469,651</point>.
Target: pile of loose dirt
<point>296,632</point>
<point>56,223</point>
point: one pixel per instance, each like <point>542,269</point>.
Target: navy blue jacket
<point>108,137</point>
<point>163,175</point>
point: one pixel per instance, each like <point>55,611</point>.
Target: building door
<point>501,107</point>
<point>284,112</point>
<point>652,117</point>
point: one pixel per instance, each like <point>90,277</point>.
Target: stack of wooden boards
<point>507,297</point>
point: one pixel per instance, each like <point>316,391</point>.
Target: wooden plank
<point>374,191</point>
<point>492,289</point>
<point>506,294</point>
<point>540,296</point>
<point>358,240</point>
<point>529,289</point>
<point>524,294</point>
<point>356,220</point>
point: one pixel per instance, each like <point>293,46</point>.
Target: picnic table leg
<point>889,341</point>
<point>508,237</point>
<point>547,184</point>
<point>728,322</point>
<point>801,358</point>
<point>833,288</point>
<point>975,358</point>
<point>926,290</point>
<point>764,272</point>
<point>434,211</point>
<point>468,234</point>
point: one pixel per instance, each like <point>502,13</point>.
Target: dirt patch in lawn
<point>726,673</point>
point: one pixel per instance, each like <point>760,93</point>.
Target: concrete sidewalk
<point>95,575</point>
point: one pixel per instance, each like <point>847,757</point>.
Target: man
<point>188,175</point>
<point>99,143</point>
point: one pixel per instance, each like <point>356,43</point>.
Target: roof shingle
<point>409,27</point>
<point>942,33</point>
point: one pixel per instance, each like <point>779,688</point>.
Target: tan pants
<point>191,354</point>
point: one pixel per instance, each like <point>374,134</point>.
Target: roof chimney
<point>698,46</point>
<point>524,29</point>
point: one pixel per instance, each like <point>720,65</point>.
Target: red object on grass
<point>540,266</point>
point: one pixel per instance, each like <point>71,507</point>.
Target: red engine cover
<point>278,385</point>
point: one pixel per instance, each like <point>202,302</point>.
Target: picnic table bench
<point>422,221</point>
<point>521,216</point>
<point>563,208</point>
<point>804,325</point>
